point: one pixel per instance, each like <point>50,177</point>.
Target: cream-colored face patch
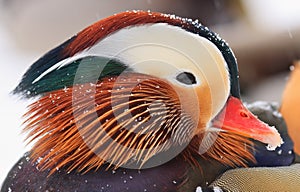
<point>165,51</point>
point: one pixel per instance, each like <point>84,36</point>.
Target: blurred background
<point>264,35</point>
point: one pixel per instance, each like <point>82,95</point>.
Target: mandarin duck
<point>138,101</point>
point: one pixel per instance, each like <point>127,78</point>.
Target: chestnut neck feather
<point>74,126</point>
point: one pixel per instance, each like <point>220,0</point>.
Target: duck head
<point>135,90</point>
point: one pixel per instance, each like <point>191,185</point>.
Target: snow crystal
<point>271,147</point>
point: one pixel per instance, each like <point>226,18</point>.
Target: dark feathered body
<point>176,175</point>
<point>26,177</point>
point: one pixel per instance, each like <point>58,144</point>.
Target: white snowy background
<point>13,64</point>
<point>20,46</point>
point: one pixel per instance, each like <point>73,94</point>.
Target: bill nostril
<point>244,114</point>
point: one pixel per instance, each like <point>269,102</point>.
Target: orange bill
<point>236,118</point>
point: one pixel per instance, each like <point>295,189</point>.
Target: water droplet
<point>277,114</point>
<point>198,189</point>
<point>39,159</point>
<point>172,17</point>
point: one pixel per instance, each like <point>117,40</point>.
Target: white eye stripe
<point>66,62</point>
<point>58,66</point>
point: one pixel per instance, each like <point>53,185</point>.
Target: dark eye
<point>186,78</point>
